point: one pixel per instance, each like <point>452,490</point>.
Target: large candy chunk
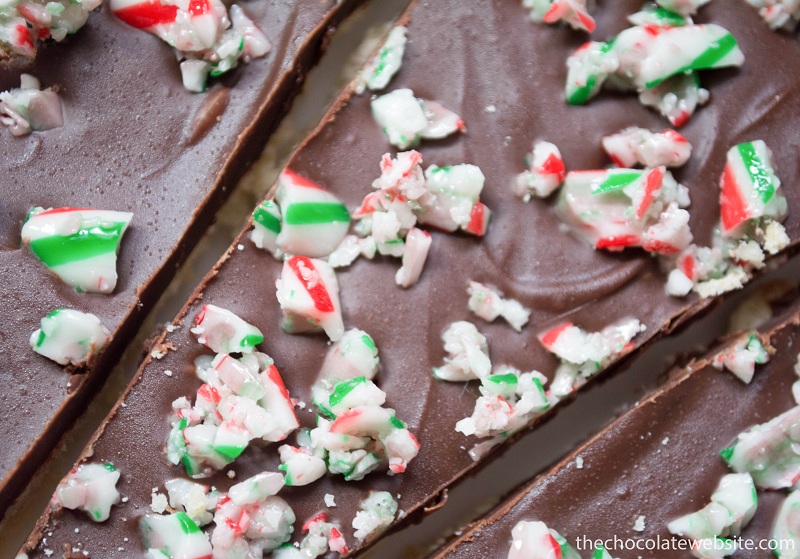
<point>406,120</point>
<point>224,332</point>
<point>355,355</point>
<point>25,24</point>
<point>313,220</point>
<point>209,40</point>
<point>749,187</point>
<point>30,108</point>
<point>309,297</point>
<point>90,488</point>
<point>379,70</point>
<point>70,337</point>
<point>173,536</point>
<point>79,245</point>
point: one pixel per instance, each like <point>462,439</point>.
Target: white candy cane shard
<point>676,98</point>
<point>90,488</point>
<point>320,537</point>
<point>355,355</point>
<point>488,303</point>
<point>382,67</point>
<point>545,172</point>
<point>299,466</point>
<point>24,25</point>
<point>192,498</point>
<point>732,506</point>
<point>309,297</point>
<point>29,108</point>
<point>768,452</point>
<point>418,242</point>
<point>406,120</point>
<point>778,14</point>
<point>223,332</point>
<point>741,357</point>
<point>313,220</point>
<point>638,146</point>
<point>683,7</point>
<point>468,354</point>
<point>267,227</point>
<point>534,540</point>
<point>79,245</point>
<point>786,529</point>
<point>375,514</point>
<point>572,12</point>
<point>208,39</point>
<point>350,249</point>
<point>70,337</point>
<point>587,70</point>
<point>455,191</point>
<point>251,521</point>
<point>749,188</point>
<point>173,535</point>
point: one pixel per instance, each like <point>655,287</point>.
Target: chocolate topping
<point>660,460</point>
<point>466,56</point>
<point>122,148</point>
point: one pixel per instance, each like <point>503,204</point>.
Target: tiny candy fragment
<point>26,24</point>
<point>209,39</point>
<point>30,108</point>
<point>308,293</point>
<point>769,452</point>
<point>488,303</point>
<point>638,146</point>
<point>382,67</point>
<point>223,332</point>
<point>80,245</point>
<point>545,172</point>
<point>70,337</point>
<point>534,540</point>
<point>575,13</point>
<point>468,354</point>
<point>406,120</point>
<point>741,357</point>
<point>90,488</point>
<point>375,514</point>
<point>173,536</point>
<point>313,221</point>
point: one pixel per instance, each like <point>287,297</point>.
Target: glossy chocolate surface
<point>467,56</point>
<point>660,460</point>
<point>133,140</point>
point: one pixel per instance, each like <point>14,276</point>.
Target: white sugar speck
<point>579,462</point>
<point>490,109</point>
<point>665,441</point>
<point>168,372</point>
<point>639,524</point>
<point>329,500</point>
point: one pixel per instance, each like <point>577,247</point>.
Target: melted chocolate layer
<point>467,56</point>
<point>660,460</point>
<point>123,147</point>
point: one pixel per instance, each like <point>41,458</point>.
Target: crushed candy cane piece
<point>267,227</point>
<point>172,536</point>
<point>223,332</point>
<point>769,452</point>
<point>251,520</point>
<point>732,506</point>
<point>778,14</point>
<point>79,245</point>
<point>455,190</point>
<point>320,537</point>
<point>375,514</point>
<point>534,540</point>
<point>488,303</point>
<point>574,13</point>
<point>676,98</point>
<point>587,70</point>
<point>545,172</point>
<point>380,69</point>
<point>749,187</point>
<point>308,293</point>
<point>29,107</point>
<point>468,354</point>
<point>355,355</point>
<point>742,357</point>
<point>313,221</point>
<point>192,498</point>
<point>351,248</point>
<point>70,337</point>
<point>417,245</point>
<point>659,16</point>
<point>638,146</point>
<point>614,209</point>
<point>210,40</point>
<point>683,7</point>
<point>26,24</point>
<point>299,466</point>
<point>786,527</point>
<point>91,488</point>
<point>406,120</point>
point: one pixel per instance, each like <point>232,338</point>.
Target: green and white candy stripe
<point>69,337</point>
<point>174,535</point>
<point>380,70</point>
<point>79,245</point>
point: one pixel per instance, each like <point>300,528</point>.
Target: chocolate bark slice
<point>468,58</point>
<point>133,140</point>
<point>659,461</point>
